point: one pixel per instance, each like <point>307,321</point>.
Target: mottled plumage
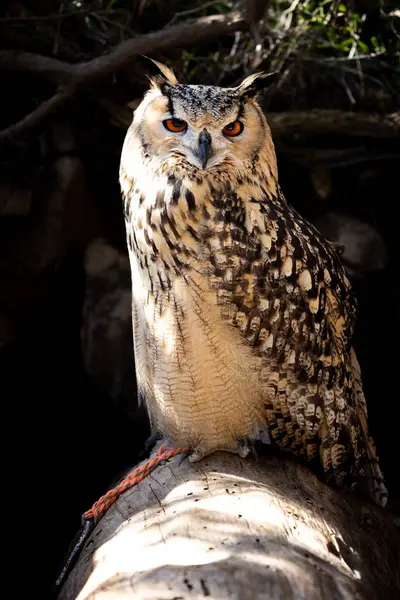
<point>242,312</point>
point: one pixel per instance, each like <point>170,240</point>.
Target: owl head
<point>200,127</point>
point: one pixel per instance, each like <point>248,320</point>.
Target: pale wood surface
<point>236,528</point>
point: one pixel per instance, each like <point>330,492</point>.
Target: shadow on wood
<point>228,527</point>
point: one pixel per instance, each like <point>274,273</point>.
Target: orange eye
<point>233,129</point>
<point>175,125</point>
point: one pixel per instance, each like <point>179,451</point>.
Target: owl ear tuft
<point>166,79</point>
<point>255,83</point>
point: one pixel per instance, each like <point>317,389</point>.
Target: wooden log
<point>232,528</point>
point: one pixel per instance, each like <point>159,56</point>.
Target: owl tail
<point>375,480</point>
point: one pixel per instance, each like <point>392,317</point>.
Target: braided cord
<point>103,504</point>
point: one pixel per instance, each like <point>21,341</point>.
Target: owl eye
<point>233,129</point>
<point>175,125</point>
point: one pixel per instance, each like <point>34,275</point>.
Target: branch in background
<point>79,75</point>
<point>60,16</point>
<point>82,74</point>
<point>51,69</point>
<point>44,109</point>
<point>101,14</point>
<point>192,11</point>
<point>336,122</point>
<point>179,35</point>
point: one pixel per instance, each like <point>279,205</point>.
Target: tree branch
<point>79,75</point>
<point>43,110</point>
<point>336,122</point>
<point>60,16</point>
<point>51,69</point>
<point>191,32</point>
<point>84,73</point>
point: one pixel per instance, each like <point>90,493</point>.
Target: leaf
<point>346,44</point>
<point>363,47</point>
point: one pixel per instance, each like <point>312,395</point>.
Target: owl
<point>242,311</point>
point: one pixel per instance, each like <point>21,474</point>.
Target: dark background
<point>67,435</point>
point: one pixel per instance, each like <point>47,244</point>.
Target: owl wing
<point>296,307</point>
<point>375,480</point>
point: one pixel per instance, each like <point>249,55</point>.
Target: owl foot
<point>151,440</point>
<point>261,434</point>
<point>242,449</point>
<point>183,456</point>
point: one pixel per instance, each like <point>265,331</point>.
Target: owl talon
<point>242,450</point>
<point>149,445</point>
<point>151,440</point>
<point>183,456</point>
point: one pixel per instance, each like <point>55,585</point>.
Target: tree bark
<point>335,122</point>
<point>228,528</point>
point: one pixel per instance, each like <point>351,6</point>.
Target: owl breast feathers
<point>242,312</point>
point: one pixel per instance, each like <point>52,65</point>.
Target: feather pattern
<point>243,313</point>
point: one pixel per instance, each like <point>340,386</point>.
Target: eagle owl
<point>242,312</point>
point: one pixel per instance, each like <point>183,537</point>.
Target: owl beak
<point>205,147</point>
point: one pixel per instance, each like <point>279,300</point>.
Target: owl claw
<point>151,441</point>
<point>197,455</point>
<point>242,450</point>
<point>183,456</point>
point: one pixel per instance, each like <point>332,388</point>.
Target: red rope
<point>103,504</point>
